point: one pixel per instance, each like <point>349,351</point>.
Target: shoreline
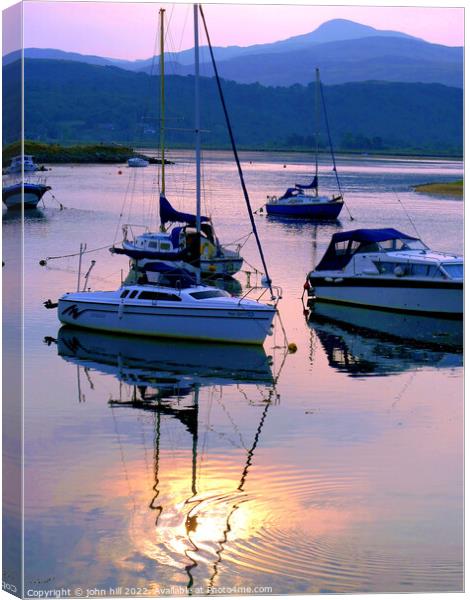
<point>114,153</point>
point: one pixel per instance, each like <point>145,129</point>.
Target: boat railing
<point>127,229</point>
<point>276,292</point>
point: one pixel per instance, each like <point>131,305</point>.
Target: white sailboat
<point>181,308</point>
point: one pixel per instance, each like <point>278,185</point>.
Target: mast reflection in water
<point>192,524</point>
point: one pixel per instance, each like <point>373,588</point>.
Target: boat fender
<point>292,348</point>
<point>121,310</point>
<point>307,285</point>
<point>338,280</point>
<point>328,279</point>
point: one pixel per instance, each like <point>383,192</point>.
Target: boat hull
<point>14,197</point>
<point>221,266</point>
<point>324,211</point>
<point>232,325</point>
<point>410,296</point>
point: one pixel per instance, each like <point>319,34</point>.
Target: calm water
<point>178,467</point>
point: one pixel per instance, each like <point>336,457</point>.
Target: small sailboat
<point>176,240</point>
<point>176,306</point>
<point>177,247</point>
<point>303,200</point>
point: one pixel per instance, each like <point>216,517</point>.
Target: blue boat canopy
<point>308,186</point>
<point>174,275</point>
<point>169,215</point>
<point>346,243</point>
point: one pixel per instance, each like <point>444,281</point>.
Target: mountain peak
<point>343,29</point>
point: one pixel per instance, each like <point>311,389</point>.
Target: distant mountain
<point>67,101</point>
<point>345,51</point>
<point>381,58</point>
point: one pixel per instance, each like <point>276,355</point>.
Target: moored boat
<point>179,307</point>
<point>137,161</point>
<point>23,194</point>
<point>193,312</point>
<point>303,201</point>
<point>172,242</point>
<point>22,163</point>
<point>179,245</point>
<point>387,269</point>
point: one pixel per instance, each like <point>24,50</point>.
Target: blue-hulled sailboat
<point>303,200</point>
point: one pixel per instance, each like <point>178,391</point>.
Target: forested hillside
<point>69,102</point>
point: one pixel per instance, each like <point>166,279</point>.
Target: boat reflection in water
<point>191,507</point>
<point>363,341</point>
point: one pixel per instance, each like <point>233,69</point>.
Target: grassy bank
<point>452,188</point>
<point>54,153</point>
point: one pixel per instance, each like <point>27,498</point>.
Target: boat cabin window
<point>209,294</point>
<point>370,247</point>
<point>401,244</point>
<point>410,269</point>
<point>133,294</point>
<point>153,245</point>
<point>124,293</point>
<point>454,270</point>
<point>165,246</point>
<point>147,295</point>
<point>341,248</point>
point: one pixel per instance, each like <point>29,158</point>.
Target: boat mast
<point>317,124</point>
<point>197,131</point>
<point>162,98</point>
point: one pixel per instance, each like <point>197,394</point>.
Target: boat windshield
<point>454,270</point>
<point>401,244</point>
<point>209,294</point>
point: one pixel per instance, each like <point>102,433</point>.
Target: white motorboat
<point>137,161</point>
<point>22,163</point>
<point>23,194</point>
<point>193,312</point>
<point>387,269</point>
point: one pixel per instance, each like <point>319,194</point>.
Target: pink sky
<point>128,30</point>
